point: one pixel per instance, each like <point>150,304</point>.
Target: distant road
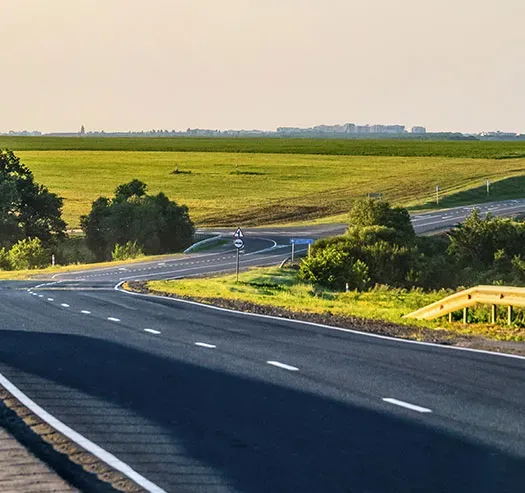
<point>197,399</point>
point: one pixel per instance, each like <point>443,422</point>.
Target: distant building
<point>82,131</point>
<point>419,130</point>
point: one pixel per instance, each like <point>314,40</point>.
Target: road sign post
<point>300,241</point>
<point>237,267</point>
<point>238,243</point>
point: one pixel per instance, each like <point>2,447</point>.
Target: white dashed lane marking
<point>151,331</point>
<point>50,299</point>
<point>283,366</point>
<point>85,312</point>
<point>113,319</point>
<point>65,305</point>
<point>407,405</point>
<point>203,344</point>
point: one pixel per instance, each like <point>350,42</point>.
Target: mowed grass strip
<point>352,147</point>
<point>224,189</point>
<point>280,288</point>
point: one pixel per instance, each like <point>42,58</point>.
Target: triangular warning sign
<point>238,233</point>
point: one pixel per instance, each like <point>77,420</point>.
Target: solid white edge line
<point>79,439</point>
<point>407,405</point>
<point>313,324</point>
<point>204,344</point>
<point>284,366</point>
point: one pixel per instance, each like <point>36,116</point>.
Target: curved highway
<point>199,399</point>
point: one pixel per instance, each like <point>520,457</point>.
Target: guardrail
<point>489,295</point>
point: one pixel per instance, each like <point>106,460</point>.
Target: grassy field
<point>253,189</point>
<point>349,147</point>
<point>280,288</point>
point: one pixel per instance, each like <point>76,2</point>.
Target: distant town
<point>346,130</point>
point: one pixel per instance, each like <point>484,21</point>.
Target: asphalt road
<point>204,400</point>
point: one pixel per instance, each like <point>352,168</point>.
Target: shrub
<point>5,264</point>
<point>28,254</point>
<point>128,251</point>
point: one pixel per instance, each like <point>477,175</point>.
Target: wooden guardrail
<point>490,295</point>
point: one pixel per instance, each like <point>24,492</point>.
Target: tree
<point>371,212</point>
<point>157,224</point>
<point>27,209</point>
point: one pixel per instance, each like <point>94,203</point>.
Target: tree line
<point>381,247</point>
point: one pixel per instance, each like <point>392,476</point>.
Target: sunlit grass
<point>270,188</point>
<point>280,288</point>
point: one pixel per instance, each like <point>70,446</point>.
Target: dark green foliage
<point>371,212</point>
<point>431,146</point>
<point>378,248</point>
<point>27,209</point>
<point>157,224</point>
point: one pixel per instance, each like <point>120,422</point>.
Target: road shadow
<point>258,436</point>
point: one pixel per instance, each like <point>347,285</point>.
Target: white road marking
<point>50,299</point>
<point>65,305</point>
<point>407,405</point>
<point>79,439</point>
<point>282,365</point>
<point>151,331</point>
<point>118,287</point>
<point>40,295</point>
<point>203,344</point>
<point>85,312</point>
<point>113,319</point>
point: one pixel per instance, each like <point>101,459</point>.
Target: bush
<point>127,252</point>
<point>28,254</point>
<point>74,250</point>
<point>5,264</point>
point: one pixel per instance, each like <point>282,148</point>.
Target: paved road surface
<point>204,400</point>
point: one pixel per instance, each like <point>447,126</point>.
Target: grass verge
<point>277,291</point>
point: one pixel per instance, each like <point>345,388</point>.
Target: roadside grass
<point>48,272</point>
<point>280,288</point>
<point>351,147</point>
<point>251,189</point>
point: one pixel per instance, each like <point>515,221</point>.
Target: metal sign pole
<point>237,266</point>
<point>293,251</point>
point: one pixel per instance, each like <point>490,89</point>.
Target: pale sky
<point>456,65</point>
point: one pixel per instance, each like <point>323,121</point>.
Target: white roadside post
<point>293,250</point>
<point>488,188</point>
<point>437,194</point>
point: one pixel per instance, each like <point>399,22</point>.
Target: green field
<point>349,147</point>
<point>254,189</point>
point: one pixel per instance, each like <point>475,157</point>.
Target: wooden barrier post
<point>465,315</point>
<point>509,315</point>
<point>494,313</point>
<point>450,317</point>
